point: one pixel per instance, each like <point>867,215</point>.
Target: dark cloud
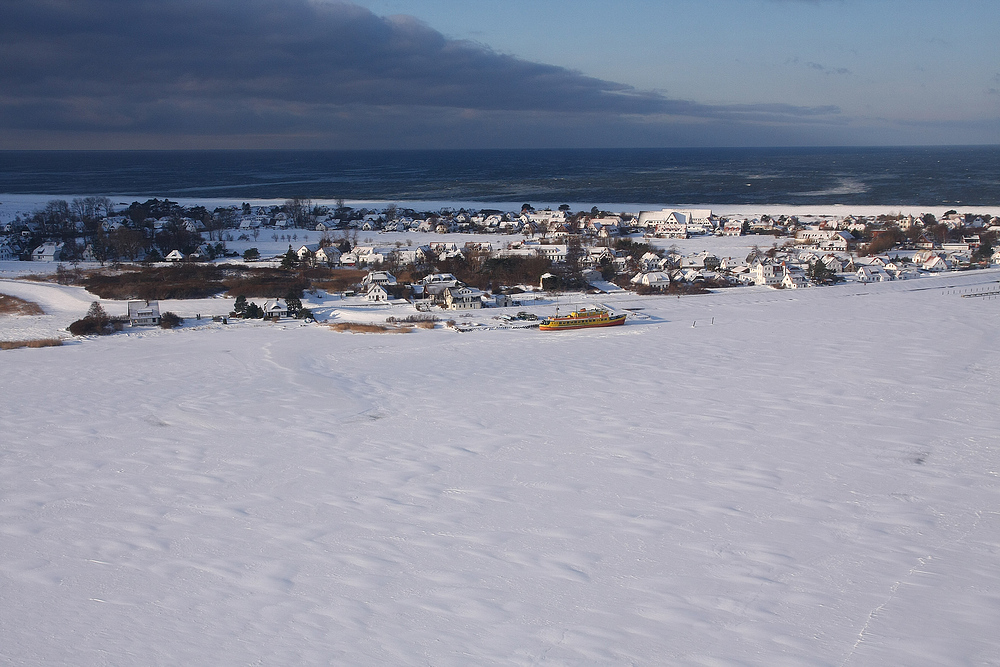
<point>295,68</point>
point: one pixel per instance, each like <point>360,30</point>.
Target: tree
<point>97,312</point>
<point>251,254</point>
<point>985,250</point>
<point>127,243</point>
<point>821,273</point>
<point>96,321</point>
<point>293,304</point>
<point>290,260</point>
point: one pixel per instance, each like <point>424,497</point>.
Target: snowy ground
<point>812,479</point>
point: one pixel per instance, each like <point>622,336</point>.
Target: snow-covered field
<point>814,478</point>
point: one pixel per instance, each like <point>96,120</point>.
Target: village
<point>464,260</point>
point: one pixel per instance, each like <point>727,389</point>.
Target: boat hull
<point>571,323</point>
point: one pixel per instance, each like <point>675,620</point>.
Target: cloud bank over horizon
<point>312,74</point>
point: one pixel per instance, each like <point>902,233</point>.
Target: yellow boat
<point>583,318</point>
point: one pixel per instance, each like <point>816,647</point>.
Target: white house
<point>733,228</point>
<point>47,252</point>
<point>143,313</point>
<point>328,255</point>
<point>382,293</point>
<point>872,274</point>
<point>555,253</point>
<point>378,278</point>
<point>765,273</point>
<point>463,298</point>
<point>651,279</point>
<point>793,277</point>
<point>275,308</point>
<point>174,256</point>
<point>838,242</point>
<point>307,252</point>
<point>936,264</point>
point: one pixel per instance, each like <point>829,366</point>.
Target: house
<point>555,253</point>
<point>651,279</point>
<point>733,227</point>
<point>872,274</point>
<point>440,278</point>
<point>833,263</point>
<point>765,273</point>
<point>838,242</point>
<point>383,293</point>
<point>936,264</point>
<point>47,252</point>
<point>675,226</point>
<point>6,253</point>
<point>143,313</point>
<point>328,224</point>
<point>597,256</point>
<point>275,308</point>
<point>378,278</point>
<point>793,277</point>
<point>498,301</point>
<point>307,252</point>
<point>174,256</point>
<point>895,271</point>
<point>674,223</point>
<point>463,298</point>
<point>328,255</point>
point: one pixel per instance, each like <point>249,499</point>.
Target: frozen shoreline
<point>21,204</point>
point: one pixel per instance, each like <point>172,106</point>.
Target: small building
<point>174,256</point>
<point>143,313</point>
<point>275,308</point>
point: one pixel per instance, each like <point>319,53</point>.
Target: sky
<point>130,74</point>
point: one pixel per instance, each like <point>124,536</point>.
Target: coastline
<point>12,205</point>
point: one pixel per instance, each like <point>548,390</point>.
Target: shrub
<point>169,320</point>
<point>11,305</point>
<point>37,342</point>
<point>357,327</point>
<point>89,326</point>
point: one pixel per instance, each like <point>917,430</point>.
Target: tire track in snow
<point>895,587</point>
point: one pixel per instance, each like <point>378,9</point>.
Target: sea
<point>884,176</point>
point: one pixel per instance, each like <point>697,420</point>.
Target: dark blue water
<point>862,176</point>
